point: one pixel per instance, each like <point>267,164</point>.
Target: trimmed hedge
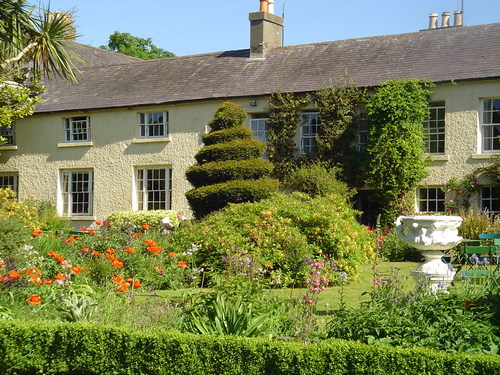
<point>226,135</point>
<point>215,172</point>
<point>81,348</point>
<point>206,199</point>
<point>138,218</point>
<point>227,116</point>
<point>238,149</point>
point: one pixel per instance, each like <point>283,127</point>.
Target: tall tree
<point>130,45</point>
<point>31,46</point>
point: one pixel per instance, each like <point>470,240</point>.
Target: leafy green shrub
<point>82,348</point>
<point>138,218</point>
<point>210,198</point>
<point>226,135</point>
<point>395,249</point>
<point>221,171</point>
<point>316,179</point>
<point>475,222</point>
<point>227,169</point>
<point>50,219</point>
<point>282,230</point>
<point>237,149</point>
<point>13,235</point>
<point>25,211</point>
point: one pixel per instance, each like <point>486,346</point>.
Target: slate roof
<point>454,53</point>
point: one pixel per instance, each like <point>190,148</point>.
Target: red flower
<point>91,232</point>
<point>98,223</point>
<point>34,299</point>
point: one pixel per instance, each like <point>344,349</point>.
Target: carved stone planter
<point>431,234</point>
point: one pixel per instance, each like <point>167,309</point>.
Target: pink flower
<point>376,282</point>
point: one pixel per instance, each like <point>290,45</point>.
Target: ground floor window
<point>154,188</point>
<point>430,199</point>
<point>77,193</point>
<point>8,180</point>
<point>489,197</point>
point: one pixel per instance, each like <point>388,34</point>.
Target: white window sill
<point>152,140</point>
<point>80,218</point>
<point>436,157</point>
<point>75,144</point>
<point>483,156</point>
<point>8,147</point>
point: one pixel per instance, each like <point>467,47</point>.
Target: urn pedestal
<point>431,234</point>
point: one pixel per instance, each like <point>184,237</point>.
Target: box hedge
<point>215,172</point>
<point>237,149</point>
<point>52,348</point>
<point>226,135</point>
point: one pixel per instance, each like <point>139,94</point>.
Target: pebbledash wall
<point>115,151</point>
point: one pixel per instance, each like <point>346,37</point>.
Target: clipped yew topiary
<point>229,166</point>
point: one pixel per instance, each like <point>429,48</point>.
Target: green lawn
<point>330,298</point>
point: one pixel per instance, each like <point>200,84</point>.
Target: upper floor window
<point>7,133</point>
<point>309,125</point>
<point>77,192</point>
<point>489,197</point>
<point>8,180</point>
<point>362,137</point>
<point>434,129</point>
<point>430,199</point>
<point>153,124</point>
<point>490,124</point>
<point>154,188</point>
<point>77,129</point>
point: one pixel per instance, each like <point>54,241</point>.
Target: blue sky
<point>187,27</point>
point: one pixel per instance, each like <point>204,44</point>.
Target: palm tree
<point>38,41</point>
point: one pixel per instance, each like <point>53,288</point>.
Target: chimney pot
<point>264,6</point>
<point>271,6</point>
<point>433,21</point>
<point>458,18</point>
<point>445,20</point>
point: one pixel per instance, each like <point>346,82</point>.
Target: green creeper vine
<point>284,115</point>
<point>395,150</point>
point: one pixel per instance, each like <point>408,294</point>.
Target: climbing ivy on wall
<point>337,105</point>
<point>395,150</point>
<point>284,115</point>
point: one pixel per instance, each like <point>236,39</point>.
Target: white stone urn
<point>431,234</point>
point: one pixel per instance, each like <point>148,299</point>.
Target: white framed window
<point>7,133</point>
<point>309,125</point>
<point>430,199</point>
<point>490,125</point>
<point>77,192</point>
<point>153,187</point>
<point>489,199</point>
<point>153,124</point>
<point>434,129</point>
<point>9,180</point>
<point>258,124</point>
<point>362,136</point>
<point>77,129</point>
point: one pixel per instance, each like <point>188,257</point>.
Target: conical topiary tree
<point>229,166</point>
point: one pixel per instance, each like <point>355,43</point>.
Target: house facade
<point>123,136</point>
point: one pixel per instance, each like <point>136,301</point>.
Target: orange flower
<point>91,232</point>
<point>48,281</point>
<point>26,271</point>
<point>96,253</point>
<point>98,223</point>
<point>136,235</point>
<point>70,239</point>
<point>76,269</point>
<point>34,299</point>
<point>172,254</point>
<point>84,229</point>
<point>117,263</point>
<point>14,275</point>
<point>85,250</point>
<point>60,276</point>
<point>36,232</point>
<point>160,270</point>
<point>1,264</point>
<point>36,270</point>
<point>128,250</point>
<point>136,284</point>
<point>117,280</point>
<point>110,251</point>
<point>150,242</point>
<point>182,263</point>
<point>122,287</point>
<point>145,226</point>
<point>155,250</point>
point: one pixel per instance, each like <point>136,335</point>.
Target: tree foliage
<point>229,169</point>
<point>396,147</point>
<point>130,45</point>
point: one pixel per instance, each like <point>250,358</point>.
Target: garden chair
<point>481,258</point>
